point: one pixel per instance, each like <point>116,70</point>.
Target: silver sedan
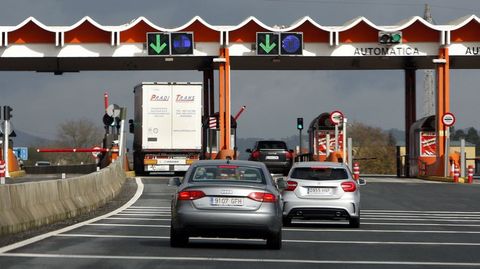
<point>322,190</point>
<point>226,199</point>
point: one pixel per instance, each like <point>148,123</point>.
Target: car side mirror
<point>362,182</point>
<point>248,150</point>
<point>174,182</point>
<point>281,183</point>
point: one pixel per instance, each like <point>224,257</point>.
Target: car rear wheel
<point>287,221</point>
<point>177,238</point>
<point>274,241</point>
<point>354,222</point>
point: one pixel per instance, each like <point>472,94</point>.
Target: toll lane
<point>395,232</point>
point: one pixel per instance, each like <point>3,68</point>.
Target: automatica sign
<point>387,51</point>
<point>365,49</point>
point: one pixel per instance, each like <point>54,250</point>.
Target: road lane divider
<point>35,239</point>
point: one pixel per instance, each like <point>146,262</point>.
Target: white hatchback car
<point>322,191</point>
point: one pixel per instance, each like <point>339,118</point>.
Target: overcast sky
<point>274,99</point>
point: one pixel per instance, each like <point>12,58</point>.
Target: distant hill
<point>24,139</point>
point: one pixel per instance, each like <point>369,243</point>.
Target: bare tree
<point>78,133</point>
<point>374,147</point>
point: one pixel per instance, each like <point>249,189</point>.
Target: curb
<point>130,174</point>
<point>15,174</point>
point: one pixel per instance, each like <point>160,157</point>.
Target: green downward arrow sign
<point>267,47</point>
<point>158,46</point>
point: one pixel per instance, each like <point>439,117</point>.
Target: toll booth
<point>212,136</point>
<point>321,132</point>
<point>423,146</point>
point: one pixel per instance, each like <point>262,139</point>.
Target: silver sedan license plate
<point>226,201</point>
<point>320,191</point>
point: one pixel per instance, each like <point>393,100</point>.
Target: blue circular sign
<point>291,43</point>
<point>182,43</point>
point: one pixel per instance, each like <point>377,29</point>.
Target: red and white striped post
<point>356,171</point>
<point>470,174</point>
<point>456,173</point>
<point>2,172</point>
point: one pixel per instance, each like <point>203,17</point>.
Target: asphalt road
<point>404,224</point>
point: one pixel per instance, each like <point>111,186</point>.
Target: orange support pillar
<point>225,150</point>
<point>443,106</point>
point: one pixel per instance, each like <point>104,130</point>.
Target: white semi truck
<point>167,126</point>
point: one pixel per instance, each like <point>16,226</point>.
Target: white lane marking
<point>379,231</point>
<point>451,215</point>
<point>423,219</point>
<point>285,240</point>
<point>133,206</point>
<point>420,224</point>
<point>420,216</point>
<point>114,218</point>
<point>113,236</point>
<point>138,214</point>
<point>32,240</point>
<point>128,225</point>
<point>418,211</point>
<point>221,259</point>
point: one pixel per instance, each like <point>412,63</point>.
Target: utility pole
<point>429,78</point>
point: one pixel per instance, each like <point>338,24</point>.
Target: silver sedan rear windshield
<point>319,173</point>
<point>228,173</point>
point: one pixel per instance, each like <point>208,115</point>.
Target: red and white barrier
<point>456,174</point>
<point>356,171</point>
<point>470,174</point>
<point>2,172</point>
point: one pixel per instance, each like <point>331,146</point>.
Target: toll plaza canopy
<point>88,45</point>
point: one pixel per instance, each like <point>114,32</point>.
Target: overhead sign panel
<point>182,43</point>
<point>158,43</point>
<point>267,44</point>
<point>166,44</point>
<point>292,43</point>
<point>279,43</point>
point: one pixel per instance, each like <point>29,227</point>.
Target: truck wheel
<point>138,164</point>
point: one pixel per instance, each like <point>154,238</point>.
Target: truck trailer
<point>167,126</point>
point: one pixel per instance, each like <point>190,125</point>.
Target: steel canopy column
<point>225,150</point>
<point>221,102</point>
<point>443,106</point>
<point>410,113</point>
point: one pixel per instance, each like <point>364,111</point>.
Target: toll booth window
<point>313,173</point>
<point>271,145</point>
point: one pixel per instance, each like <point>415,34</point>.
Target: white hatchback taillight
<point>291,185</point>
<point>349,186</point>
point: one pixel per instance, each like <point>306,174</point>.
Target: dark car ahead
<point>274,154</point>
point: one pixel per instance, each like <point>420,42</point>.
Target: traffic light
<point>7,112</point>
<point>299,123</point>
<point>389,38</point>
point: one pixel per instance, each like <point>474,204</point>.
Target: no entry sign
<point>336,117</point>
<point>448,119</point>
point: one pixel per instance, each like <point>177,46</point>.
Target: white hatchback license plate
<point>226,201</point>
<point>271,158</point>
<point>320,191</point>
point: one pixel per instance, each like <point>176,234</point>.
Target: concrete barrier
<point>28,205</point>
